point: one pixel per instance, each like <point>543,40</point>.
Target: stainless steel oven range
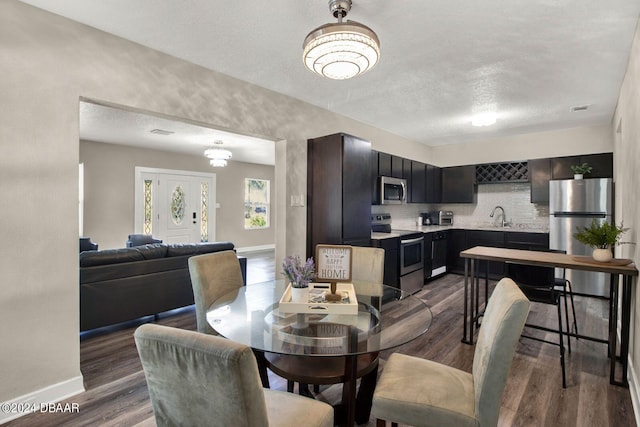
<point>410,253</point>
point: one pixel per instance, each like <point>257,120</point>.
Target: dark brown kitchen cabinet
<point>338,191</point>
<point>384,164</point>
<point>375,190</point>
<point>417,185</point>
<point>397,167</point>
<point>457,243</point>
<point>527,241</point>
<point>433,190</point>
<point>539,175</point>
<point>543,170</point>
<point>391,248</point>
<point>493,239</point>
<point>458,184</point>
<point>602,165</point>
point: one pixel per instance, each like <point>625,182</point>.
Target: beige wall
<point>48,64</point>
<point>559,143</point>
<point>109,192</point>
<point>626,133</point>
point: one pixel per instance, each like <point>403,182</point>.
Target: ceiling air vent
<point>161,131</point>
<point>580,108</point>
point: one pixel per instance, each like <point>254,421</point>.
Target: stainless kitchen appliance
<point>437,218</point>
<point>411,262</point>
<point>438,253</point>
<point>411,252</point>
<point>393,191</point>
<point>575,203</point>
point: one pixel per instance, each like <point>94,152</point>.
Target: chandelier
<point>218,156</point>
<point>341,50</point>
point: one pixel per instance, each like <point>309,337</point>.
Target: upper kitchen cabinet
<point>397,167</point>
<point>602,165</point>
<point>384,164</point>
<point>539,175</point>
<point>458,184</point>
<point>543,170</point>
<point>417,185</point>
<point>338,191</point>
<point>433,190</point>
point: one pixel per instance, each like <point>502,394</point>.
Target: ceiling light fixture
<point>341,50</point>
<point>484,119</point>
<point>218,156</point>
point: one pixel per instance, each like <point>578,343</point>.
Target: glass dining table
<point>386,318</point>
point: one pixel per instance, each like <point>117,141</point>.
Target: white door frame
<point>139,196</point>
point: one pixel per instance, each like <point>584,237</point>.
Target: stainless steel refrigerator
<point>575,203</point>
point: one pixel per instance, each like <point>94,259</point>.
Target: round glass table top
<point>386,318</point>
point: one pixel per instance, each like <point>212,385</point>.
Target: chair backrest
<point>197,379</point>
<point>501,327</point>
<point>140,239</point>
<point>531,275</point>
<point>212,276</point>
<point>368,270</point>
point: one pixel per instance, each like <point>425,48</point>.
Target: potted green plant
<point>601,236</point>
<point>579,171</point>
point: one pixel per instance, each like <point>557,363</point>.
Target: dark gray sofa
<point>117,285</point>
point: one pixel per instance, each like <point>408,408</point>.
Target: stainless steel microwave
<point>393,191</point>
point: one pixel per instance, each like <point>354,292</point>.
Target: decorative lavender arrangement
<point>299,274</point>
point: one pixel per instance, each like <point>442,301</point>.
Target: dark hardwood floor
<point>116,393</point>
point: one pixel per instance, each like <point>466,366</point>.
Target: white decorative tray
<point>317,304</point>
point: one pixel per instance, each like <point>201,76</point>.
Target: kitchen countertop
<point>435,228</point>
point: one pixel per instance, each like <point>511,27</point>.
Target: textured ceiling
<point>441,60</point>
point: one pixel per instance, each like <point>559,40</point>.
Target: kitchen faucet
<point>504,216</point>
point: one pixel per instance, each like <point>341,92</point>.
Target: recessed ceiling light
<point>484,119</point>
<point>161,132</point>
<point>580,108</point>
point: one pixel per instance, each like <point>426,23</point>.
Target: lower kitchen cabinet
<point>494,239</point>
<point>457,243</point>
<point>391,248</point>
<point>527,241</point>
<point>460,240</point>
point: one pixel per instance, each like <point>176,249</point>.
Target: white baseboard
<point>255,248</point>
<point>633,390</point>
<point>51,394</point>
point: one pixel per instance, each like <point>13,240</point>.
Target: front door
<point>175,206</point>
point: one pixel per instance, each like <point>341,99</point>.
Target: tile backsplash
<point>513,197</point>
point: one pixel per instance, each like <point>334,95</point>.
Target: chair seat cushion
<point>290,410</point>
<point>420,392</point>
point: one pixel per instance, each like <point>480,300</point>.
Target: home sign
<point>333,263</point>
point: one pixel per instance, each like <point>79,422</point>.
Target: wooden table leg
<point>349,390</point>
<point>365,396</point>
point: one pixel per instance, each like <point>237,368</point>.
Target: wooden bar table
<point>616,268</point>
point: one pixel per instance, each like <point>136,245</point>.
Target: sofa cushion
<point>109,256</point>
<point>180,249</point>
<point>153,251</point>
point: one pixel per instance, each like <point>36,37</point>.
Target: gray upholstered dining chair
<point>198,379</point>
<point>212,276</point>
<point>420,392</point>
<point>368,273</point>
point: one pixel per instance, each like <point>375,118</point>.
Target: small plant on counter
<point>582,169</point>
<point>299,274</point>
<point>600,235</point>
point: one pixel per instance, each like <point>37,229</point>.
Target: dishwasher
<point>438,253</point>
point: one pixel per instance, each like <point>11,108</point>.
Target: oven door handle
<point>410,241</point>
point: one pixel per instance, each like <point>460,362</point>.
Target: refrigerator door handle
<point>580,214</point>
